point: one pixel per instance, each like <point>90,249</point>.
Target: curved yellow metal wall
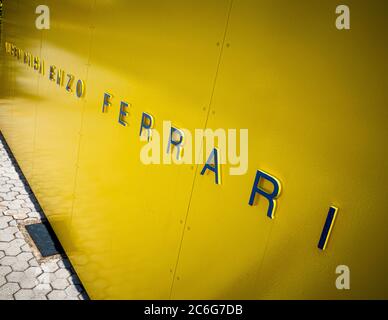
<point>313,98</point>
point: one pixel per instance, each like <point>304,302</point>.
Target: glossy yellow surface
<point>313,98</point>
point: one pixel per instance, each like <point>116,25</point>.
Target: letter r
<point>147,122</point>
<point>271,197</point>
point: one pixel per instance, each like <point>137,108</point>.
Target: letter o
<point>80,89</point>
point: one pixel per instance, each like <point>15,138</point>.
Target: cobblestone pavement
<point>24,274</point>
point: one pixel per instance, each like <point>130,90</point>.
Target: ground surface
<point>24,274</point>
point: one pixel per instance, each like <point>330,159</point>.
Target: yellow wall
<point>313,98</point>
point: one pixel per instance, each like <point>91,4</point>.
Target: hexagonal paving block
<point>62,274</point>
<point>17,242</point>
<point>19,235</point>
<point>9,196</point>
<point>46,278</point>
<point>20,265</point>
<point>15,204</point>
<point>33,263</point>
<point>73,290</point>
<point>5,188</point>
<point>22,196</point>
<point>42,289</point>
<point>57,295</point>
<point>6,235</point>
<point>34,215</point>
<point>10,212</point>
<point>12,250</point>
<point>39,297</point>
<point>25,256</point>
<point>24,294</point>
<point>33,272</point>
<point>28,282</point>
<point>21,190</point>
<point>50,266</point>
<point>8,261</point>
<point>2,254</point>
<point>9,289</point>
<point>4,245</point>
<point>29,205</point>
<point>26,248</point>
<point>2,281</point>
<point>60,284</point>
<point>4,221</point>
<point>20,216</point>
<point>4,270</point>
<point>12,224</point>
<point>15,276</point>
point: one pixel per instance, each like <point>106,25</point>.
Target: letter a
<point>43,20</point>
<point>343,21</point>
<point>343,280</point>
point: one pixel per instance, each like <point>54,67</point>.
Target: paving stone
<point>14,212</point>
<point>26,248</point>
<point>20,190</point>
<point>28,282</point>
<point>38,296</point>
<point>50,267</point>
<point>62,274</point>
<point>60,284</point>
<point>57,295</point>
<point>17,242</point>
<point>46,278</point>
<point>9,196</point>
<point>4,245</point>
<point>15,204</point>
<point>3,209</point>
<point>20,216</point>
<point>24,294</point>
<point>15,276</point>
<point>33,263</point>
<point>4,270</point>
<point>5,188</point>
<point>34,215</point>
<point>13,250</point>
<point>25,256</point>
<point>22,196</point>
<point>33,272</point>
<point>2,254</point>
<point>20,266</point>
<point>8,261</point>
<point>9,289</point>
<point>6,236</point>
<point>12,223</point>
<point>2,281</point>
<point>43,289</point>
<point>73,290</point>
<point>29,205</point>
<point>19,235</point>
<point>4,221</point>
